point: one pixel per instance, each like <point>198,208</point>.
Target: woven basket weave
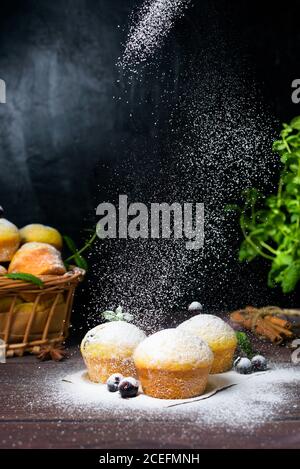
<point>32,317</point>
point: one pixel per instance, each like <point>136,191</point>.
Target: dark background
<point>66,132</point>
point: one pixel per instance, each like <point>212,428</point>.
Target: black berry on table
<point>129,387</point>
<point>259,363</point>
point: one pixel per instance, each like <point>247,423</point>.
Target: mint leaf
<point>270,225</point>
<point>244,344</point>
<point>81,262</point>
<point>117,315</point>
<point>70,243</point>
<point>295,123</point>
<point>290,277</point>
<point>119,310</point>
<point>109,315</point>
<point>76,257</point>
<point>26,278</point>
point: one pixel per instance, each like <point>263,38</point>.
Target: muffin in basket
<point>108,349</point>
<point>173,364</point>
<point>9,239</point>
<point>37,259</point>
<point>3,270</point>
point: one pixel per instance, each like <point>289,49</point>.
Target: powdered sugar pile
<point>254,402</point>
<point>154,22</point>
<point>246,405</point>
<point>269,398</point>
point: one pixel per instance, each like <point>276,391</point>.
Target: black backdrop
<point>64,130</point>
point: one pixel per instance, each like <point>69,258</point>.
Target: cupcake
<point>108,349</point>
<point>173,364</point>
<point>219,336</point>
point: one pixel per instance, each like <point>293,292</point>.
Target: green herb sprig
<point>271,225</point>
<point>117,315</point>
<point>76,255</point>
<point>244,344</point>
<point>26,278</point>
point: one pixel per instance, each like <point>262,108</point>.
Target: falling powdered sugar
<point>154,22</point>
<point>215,142</point>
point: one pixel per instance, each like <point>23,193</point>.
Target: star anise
<point>52,352</point>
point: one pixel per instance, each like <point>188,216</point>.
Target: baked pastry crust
<point>171,384</point>
<point>219,336</point>
<point>9,240</point>
<point>108,349</point>
<point>41,234</point>
<point>173,364</point>
<point>37,259</point>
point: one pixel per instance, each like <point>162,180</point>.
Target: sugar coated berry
<point>195,306</point>
<point>243,366</point>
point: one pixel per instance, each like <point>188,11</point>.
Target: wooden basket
<point>32,317</point>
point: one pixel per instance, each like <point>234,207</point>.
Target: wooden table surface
<point>32,417</point>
